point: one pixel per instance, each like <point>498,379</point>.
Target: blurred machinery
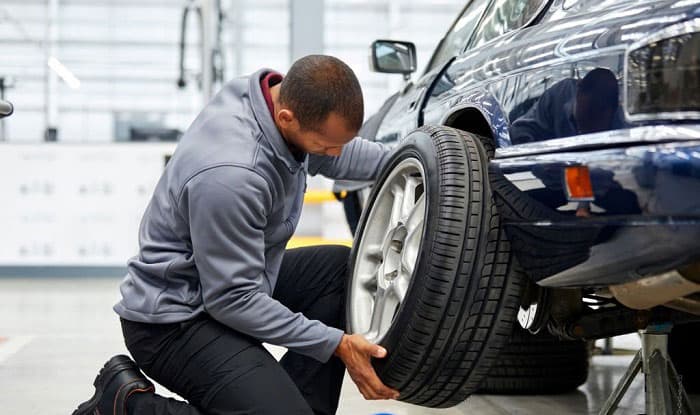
<point>6,108</point>
<point>209,17</point>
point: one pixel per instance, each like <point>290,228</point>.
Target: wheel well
<point>471,120</point>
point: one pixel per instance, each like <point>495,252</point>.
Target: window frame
<point>546,4</point>
<point>429,67</point>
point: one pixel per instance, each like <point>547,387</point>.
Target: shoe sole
<point>115,365</point>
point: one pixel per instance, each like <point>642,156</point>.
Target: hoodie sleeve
<point>360,159</point>
<point>227,209</point>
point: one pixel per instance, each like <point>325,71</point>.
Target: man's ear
<point>286,117</point>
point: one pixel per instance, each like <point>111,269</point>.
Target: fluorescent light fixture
<point>64,73</point>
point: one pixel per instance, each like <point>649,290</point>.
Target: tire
<point>463,291</point>
<point>538,364</point>
<point>541,251</point>
<point>681,349</point>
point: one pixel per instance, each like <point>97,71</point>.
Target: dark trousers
<point>220,371</point>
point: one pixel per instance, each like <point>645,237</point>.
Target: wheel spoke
<point>382,313</point>
<point>371,281</point>
<point>412,243</point>
<point>409,196</point>
<point>411,248</point>
<point>396,206</point>
<point>377,313</point>
<point>408,261</point>
<point>416,216</point>
<point>370,284</point>
<point>374,253</point>
<point>390,305</point>
<point>400,285</point>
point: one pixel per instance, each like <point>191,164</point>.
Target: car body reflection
<point>606,85</point>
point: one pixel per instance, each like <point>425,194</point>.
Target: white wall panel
<point>75,205</point>
<point>25,125</point>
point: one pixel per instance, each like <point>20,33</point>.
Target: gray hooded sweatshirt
<point>214,233</point>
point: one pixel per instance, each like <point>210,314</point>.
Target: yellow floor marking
<point>301,241</point>
<point>320,196</point>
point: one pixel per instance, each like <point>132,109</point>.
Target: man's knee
<point>247,389</point>
<point>339,255</point>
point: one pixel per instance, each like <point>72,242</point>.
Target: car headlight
<point>663,74</point>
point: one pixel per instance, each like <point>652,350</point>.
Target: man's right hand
<point>357,353</point>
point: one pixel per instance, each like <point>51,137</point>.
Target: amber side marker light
<point>578,184</point>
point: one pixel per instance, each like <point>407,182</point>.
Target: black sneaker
<point>117,380</point>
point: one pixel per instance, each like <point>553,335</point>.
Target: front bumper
<point>644,219</point>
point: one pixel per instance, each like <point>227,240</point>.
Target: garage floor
<point>56,333</point>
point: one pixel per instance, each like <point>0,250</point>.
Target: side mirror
<point>392,56</point>
<point>6,108</point>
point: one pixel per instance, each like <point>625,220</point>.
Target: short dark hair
<point>600,85</point>
<point>317,85</point>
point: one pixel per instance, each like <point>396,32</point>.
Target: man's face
<point>327,140</point>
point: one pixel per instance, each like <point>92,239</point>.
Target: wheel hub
<point>388,251</point>
<point>392,252</point>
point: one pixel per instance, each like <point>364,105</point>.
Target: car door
<point>406,112</point>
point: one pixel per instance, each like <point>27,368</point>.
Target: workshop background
<point>102,90</point>
<point>102,77</point>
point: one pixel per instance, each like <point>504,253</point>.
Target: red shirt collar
<point>269,80</point>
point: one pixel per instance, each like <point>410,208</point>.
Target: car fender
<point>477,111</point>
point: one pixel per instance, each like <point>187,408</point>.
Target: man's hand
<point>356,353</point>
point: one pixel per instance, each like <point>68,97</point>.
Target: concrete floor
<point>56,333</point>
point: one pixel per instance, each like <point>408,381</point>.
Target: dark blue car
<point>546,172</point>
